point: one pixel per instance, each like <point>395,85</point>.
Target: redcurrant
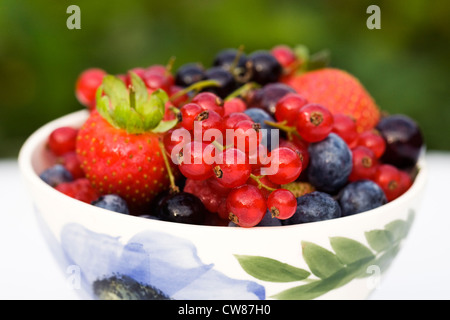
<point>282,204</point>
<point>87,85</point>
<point>288,106</point>
<point>246,206</point>
<point>314,122</point>
<point>287,165</point>
<point>195,162</point>
<point>373,140</point>
<point>62,140</point>
<point>345,127</point>
<point>389,179</point>
<point>364,164</point>
<point>233,169</point>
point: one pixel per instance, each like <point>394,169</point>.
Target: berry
<point>300,148</point>
<point>268,221</point>
<point>260,181</point>
<point>154,80</point>
<point>208,195</point>
<point>208,120</point>
<point>288,106</point>
<point>112,202</point>
<point>70,161</point>
<point>267,97</point>
<point>405,181</point>
<point>364,164</point>
<point>287,164</point>
<point>247,136</point>
<point>246,206</point>
<point>282,204</point>
<point>340,92</point>
<point>174,139</point>
<point>124,157</point>
<point>268,133</point>
<point>389,179</point>
<point>360,196</point>
<point>209,101</point>
<point>345,127</point>
<point>286,57</point>
<point>404,140</point>
<point>264,67</point>
<point>183,207</point>
<point>86,86</point>
<point>62,140</point>
<point>189,74</point>
<point>194,162</point>
<point>234,105</point>
<point>56,175</point>
<point>188,113</point>
<point>313,207</point>
<point>232,119</point>
<point>299,188</point>
<point>374,141</point>
<point>314,122</point>
<point>227,58</point>
<point>226,81</point>
<point>330,164</point>
<point>233,169</point>
<point>258,157</point>
<point>80,189</point>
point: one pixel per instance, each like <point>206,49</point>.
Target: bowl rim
<point>38,137</point>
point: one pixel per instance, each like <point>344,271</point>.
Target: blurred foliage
<point>405,64</point>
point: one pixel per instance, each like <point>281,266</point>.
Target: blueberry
<point>55,175</point>
<point>259,116</point>
<point>314,206</point>
<point>188,74</point>
<point>330,164</point>
<point>404,140</point>
<point>360,196</point>
<point>269,221</point>
<point>182,207</point>
<point>112,202</point>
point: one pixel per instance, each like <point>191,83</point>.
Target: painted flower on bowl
<point>151,265</point>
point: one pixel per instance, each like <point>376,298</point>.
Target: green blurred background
<point>405,65</point>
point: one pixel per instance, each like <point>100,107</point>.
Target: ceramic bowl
<point>108,255</point>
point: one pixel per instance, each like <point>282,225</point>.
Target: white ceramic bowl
<point>110,255</point>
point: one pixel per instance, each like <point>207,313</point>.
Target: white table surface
<point>421,270</point>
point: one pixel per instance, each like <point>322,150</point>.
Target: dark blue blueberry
<point>268,132</point>
<point>269,221</point>
<point>112,202</point>
<point>314,206</point>
<point>55,175</point>
<point>330,164</point>
<point>188,74</point>
<point>226,81</point>
<point>360,196</point>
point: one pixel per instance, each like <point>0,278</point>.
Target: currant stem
<point>173,186</point>
<point>260,184</point>
<point>290,130</point>
<point>241,91</point>
<point>195,87</point>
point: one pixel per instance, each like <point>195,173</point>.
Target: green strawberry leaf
<point>272,270</point>
<point>349,251</point>
<point>152,111</point>
<point>139,88</point>
<point>165,126</point>
<point>115,89</point>
<point>321,262</point>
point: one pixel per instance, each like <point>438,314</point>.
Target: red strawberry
<point>119,144</point>
<point>340,92</point>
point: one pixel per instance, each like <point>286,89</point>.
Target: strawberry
<point>340,92</point>
<point>119,145</point>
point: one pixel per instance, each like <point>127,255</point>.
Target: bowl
<point>107,255</point>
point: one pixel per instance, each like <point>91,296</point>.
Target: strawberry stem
<point>173,187</point>
<point>260,184</point>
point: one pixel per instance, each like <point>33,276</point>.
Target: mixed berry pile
<point>265,139</point>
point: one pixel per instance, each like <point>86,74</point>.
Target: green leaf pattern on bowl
<point>329,270</point>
